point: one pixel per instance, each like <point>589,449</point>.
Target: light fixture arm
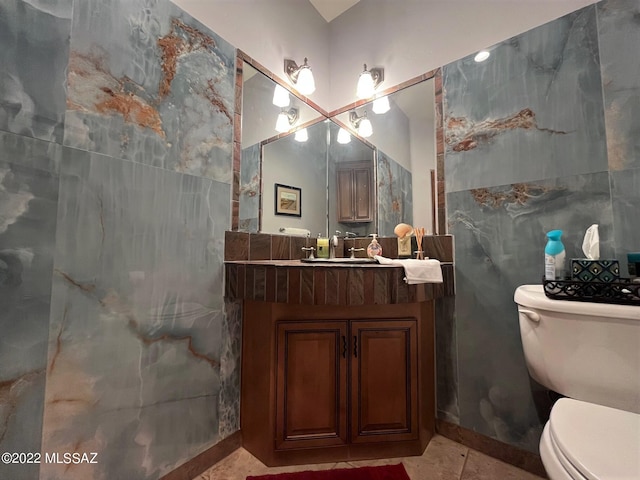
<point>355,119</point>
<point>292,115</point>
<point>377,74</point>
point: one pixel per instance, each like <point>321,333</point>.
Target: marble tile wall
<point>395,200</point>
<point>249,203</point>
<point>542,135</point>
<point>32,94</point>
<point>619,35</point>
<point>116,142</point>
<point>29,170</point>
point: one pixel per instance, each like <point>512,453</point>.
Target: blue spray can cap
<point>554,245</point>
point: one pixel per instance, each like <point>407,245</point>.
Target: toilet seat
<point>584,441</point>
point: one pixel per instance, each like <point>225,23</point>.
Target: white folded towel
<point>416,271</point>
<point>302,232</point>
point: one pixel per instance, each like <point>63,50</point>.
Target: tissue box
<point>595,270</point>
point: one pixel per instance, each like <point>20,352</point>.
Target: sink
<point>339,260</point>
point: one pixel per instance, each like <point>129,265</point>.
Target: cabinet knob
<point>355,346</point>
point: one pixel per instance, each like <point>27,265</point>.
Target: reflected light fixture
<point>301,135</point>
<point>481,56</point>
<point>361,124</point>
<point>300,76</point>
<point>344,137</point>
<point>281,96</point>
<point>286,118</point>
<point>369,81</point>
<point>381,105</point>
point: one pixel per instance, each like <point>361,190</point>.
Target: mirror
<point>286,161</point>
<point>404,136</point>
<point>401,152</point>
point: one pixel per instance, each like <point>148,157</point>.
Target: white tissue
<point>591,243</point>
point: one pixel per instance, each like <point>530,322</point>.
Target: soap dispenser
<point>322,244</point>
<point>374,247</point>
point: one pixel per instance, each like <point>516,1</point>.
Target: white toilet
<point>590,353</point>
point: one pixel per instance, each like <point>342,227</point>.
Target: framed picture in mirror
<point>288,200</point>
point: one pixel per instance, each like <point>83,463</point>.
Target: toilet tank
<point>583,350</point>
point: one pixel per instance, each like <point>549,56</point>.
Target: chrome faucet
<point>307,248</point>
<point>353,248</point>
<point>333,244</point>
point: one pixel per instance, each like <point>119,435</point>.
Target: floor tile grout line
<point>464,465</point>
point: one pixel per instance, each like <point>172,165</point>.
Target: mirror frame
<point>437,182</point>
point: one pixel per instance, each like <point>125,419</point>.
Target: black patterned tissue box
<point>595,270</point>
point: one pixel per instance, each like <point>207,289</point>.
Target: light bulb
<point>365,129</point>
<point>282,124</point>
<point>281,97</point>
<point>365,86</point>
<point>306,85</point>
<point>381,105</point>
<point>301,135</point>
<point>343,136</point>
<point>481,56</point>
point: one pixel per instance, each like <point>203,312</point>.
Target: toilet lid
<point>601,442</point>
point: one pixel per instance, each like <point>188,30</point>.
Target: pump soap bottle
<point>374,247</point>
<point>323,246</point>
<point>554,256</point>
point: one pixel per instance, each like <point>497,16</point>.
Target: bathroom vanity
<point>337,360</point>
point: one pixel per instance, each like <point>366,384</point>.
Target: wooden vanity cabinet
<point>323,364</point>
<point>355,192</point>
<point>317,386</point>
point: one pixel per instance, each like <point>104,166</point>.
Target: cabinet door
<point>355,192</point>
<point>311,384</point>
<point>384,381</point>
<point>345,195</point>
<point>362,195</point>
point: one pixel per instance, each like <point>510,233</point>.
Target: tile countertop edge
<point>298,263</point>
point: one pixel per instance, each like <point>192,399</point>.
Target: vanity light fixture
<point>369,81</point>
<point>344,137</point>
<point>300,76</point>
<point>286,118</point>
<point>381,105</point>
<point>481,56</point>
<point>361,124</point>
<point>301,135</point>
<point>281,97</point>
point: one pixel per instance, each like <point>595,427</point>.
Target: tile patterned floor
<point>443,459</point>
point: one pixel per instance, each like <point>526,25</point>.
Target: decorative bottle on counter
<point>554,256</point>
<point>374,247</point>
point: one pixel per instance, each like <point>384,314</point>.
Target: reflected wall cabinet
<point>355,192</point>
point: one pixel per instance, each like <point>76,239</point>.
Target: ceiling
<point>331,9</point>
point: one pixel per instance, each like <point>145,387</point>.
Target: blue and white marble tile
<point>28,204</point>
<point>230,359</point>
<point>537,101</point>
<point>625,201</point>
<point>34,53</point>
<point>500,239</point>
<point>136,323</point>
<point>619,37</point>
<point>446,360</point>
<point>394,195</point>
<point>250,185</point>
<point>149,83</point>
